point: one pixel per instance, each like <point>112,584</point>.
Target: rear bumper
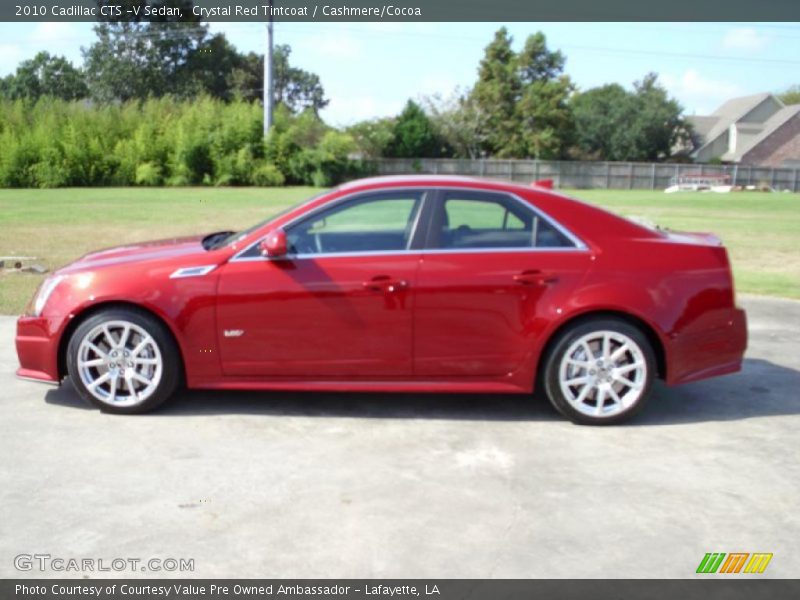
<point>37,349</point>
<point>715,348</point>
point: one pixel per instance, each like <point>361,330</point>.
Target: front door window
<point>372,223</point>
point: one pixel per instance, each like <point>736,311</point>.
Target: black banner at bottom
<point>728,588</point>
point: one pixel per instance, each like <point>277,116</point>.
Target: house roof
<point>735,108</point>
<point>702,124</point>
<point>730,112</point>
<point>770,126</point>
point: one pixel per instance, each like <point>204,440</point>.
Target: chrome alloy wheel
<point>119,363</point>
<point>603,374</point>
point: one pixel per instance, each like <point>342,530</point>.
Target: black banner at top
<point>400,10</point>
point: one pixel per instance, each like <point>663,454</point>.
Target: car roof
<point>433,180</point>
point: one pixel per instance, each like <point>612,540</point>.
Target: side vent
<point>192,271</point>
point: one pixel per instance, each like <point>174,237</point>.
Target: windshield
<point>231,237</point>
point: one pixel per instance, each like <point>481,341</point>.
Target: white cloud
<point>699,93</point>
<point>744,38</point>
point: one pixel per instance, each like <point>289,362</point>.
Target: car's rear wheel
<point>123,360</point>
<point>599,372</point>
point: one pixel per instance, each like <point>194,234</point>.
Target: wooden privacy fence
<point>589,175</point>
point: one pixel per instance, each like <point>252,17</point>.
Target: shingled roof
<point>771,125</point>
<point>709,128</point>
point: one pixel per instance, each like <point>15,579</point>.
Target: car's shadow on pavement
<point>761,389</point>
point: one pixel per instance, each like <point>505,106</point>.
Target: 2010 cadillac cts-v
<point>420,283</point>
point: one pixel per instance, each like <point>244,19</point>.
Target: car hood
<point>157,250</point>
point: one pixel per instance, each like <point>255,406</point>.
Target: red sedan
<point>427,284</point>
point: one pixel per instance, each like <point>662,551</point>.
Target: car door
<point>339,305</point>
<point>494,272</point>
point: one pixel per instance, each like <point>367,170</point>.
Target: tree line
<point>170,103</point>
<point>163,102</point>
<point>141,60</point>
<point>161,141</point>
<point>524,105</point>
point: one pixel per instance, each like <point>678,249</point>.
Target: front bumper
<point>37,349</point>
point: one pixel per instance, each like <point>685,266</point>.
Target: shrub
<point>149,174</point>
<point>267,175</point>
<point>50,143</point>
<point>48,172</point>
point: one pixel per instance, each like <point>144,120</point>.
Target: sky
<point>371,69</point>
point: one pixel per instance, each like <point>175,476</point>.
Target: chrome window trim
<point>423,201</point>
<point>579,245</point>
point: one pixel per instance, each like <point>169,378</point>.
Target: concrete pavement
<point>371,485</point>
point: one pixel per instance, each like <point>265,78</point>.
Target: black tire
<point>557,354</point>
<point>170,367</point>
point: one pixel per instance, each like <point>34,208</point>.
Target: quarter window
<point>468,220</point>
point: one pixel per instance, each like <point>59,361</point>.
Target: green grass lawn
<point>761,231</point>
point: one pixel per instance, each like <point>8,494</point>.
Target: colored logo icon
<point>736,562</point>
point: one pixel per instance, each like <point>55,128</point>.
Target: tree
<point>524,97</point>
<point>600,117</point>
<point>372,137</point>
<point>791,95</point>
<point>612,123</point>
<point>137,56</point>
<point>658,124</point>
<point>307,151</point>
<point>460,122</point>
<point>292,86</point>
<point>134,59</point>
<point>543,110</point>
<point>497,92</point>
<point>246,80</point>
<point>537,63</point>
<point>413,135</point>
<point>45,75</point>
<point>213,69</point>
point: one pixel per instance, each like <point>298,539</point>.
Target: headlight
<point>47,288</point>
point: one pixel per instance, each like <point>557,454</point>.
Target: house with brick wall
<point>751,130</point>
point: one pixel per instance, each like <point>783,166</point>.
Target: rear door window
<point>475,220</point>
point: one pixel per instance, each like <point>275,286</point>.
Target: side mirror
<point>274,245</point>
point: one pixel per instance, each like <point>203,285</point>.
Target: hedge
<point>53,143</point>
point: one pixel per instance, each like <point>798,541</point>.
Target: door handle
<point>384,283</point>
<point>535,277</point>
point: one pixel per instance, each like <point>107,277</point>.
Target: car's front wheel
<point>599,371</point>
<point>123,360</point>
